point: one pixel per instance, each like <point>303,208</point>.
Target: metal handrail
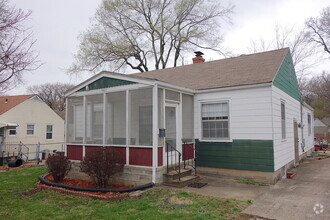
<point>175,161</point>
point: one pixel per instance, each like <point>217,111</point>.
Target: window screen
<point>30,129</point>
<point>75,128</point>
<point>141,117</point>
<point>49,132</point>
<point>116,118</point>
<point>187,118</point>
<point>215,121</point>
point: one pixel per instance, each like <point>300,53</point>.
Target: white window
<point>215,121</point>
<point>309,120</point>
<point>12,131</point>
<point>283,120</point>
<point>49,132</point>
<point>30,129</point>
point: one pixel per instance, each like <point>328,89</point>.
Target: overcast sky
<point>57,24</point>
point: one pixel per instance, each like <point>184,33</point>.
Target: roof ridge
<point>213,61</point>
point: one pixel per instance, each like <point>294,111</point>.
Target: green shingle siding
<point>286,79</point>
<point>255,155</point>
<point>106,82</point>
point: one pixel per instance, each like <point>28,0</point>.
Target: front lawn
<point>154,204</point>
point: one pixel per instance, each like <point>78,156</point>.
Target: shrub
<point>101,164</point>
<point>58,167</point>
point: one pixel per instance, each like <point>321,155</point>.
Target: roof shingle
<point>9,102</point>
<point>242,70</point>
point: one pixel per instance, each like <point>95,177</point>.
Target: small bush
<point>58,167</point>
<point>101,164</point>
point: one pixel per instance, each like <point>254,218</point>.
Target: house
<point>25,121</point>
<point>322,128</point>
<point>242,115</point>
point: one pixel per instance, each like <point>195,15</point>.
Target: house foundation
<point>131,175</point>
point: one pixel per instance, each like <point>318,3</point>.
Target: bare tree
<point>16,46</point>
<point>145,33</point>
<point>316,92</point>
<point>52,94</point>
<point>301,50</point>
<point>319,29</point>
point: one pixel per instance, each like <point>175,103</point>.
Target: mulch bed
<point>84,194</point>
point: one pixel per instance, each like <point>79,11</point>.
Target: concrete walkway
<point>289,199</point>
<point>296,198</point>
<point>222,187</point>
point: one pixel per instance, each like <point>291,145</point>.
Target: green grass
<point>251,182</point>
<point>153,204</point>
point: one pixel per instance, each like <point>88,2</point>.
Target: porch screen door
<point>171,126</point>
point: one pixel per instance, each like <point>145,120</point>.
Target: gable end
<point>106,82</point>
<point>286,79</point>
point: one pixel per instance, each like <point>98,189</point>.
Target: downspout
<point>302,126</point>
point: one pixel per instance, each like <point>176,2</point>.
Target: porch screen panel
<point>141,117</point>
<point>75,129</point>
<point>94,119</point>
<point>116,118</point>
<point>187,118</point>
<point>171,95</point>
<point>160,114</point>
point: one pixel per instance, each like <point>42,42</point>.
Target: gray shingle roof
<point>242,70</point>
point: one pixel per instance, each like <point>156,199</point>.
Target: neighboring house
<point>243,115</point>
<point>322,128</point>
<point>28,120</point>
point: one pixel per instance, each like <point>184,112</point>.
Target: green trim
<point>106,82</point>
<point>286,79</point>
<point>255,155</point>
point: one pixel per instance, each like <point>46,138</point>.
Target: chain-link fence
<point>29,152</point>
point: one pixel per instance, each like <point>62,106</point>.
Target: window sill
<point>219,140</point>
<point>283,140</point>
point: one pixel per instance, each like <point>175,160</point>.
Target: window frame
<point>12,135</point>
<point>283,125</point>
<point>27,129</point>
<point>48,139</point>
<point>217,139</point>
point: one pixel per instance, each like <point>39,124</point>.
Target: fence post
<point>38,150</point>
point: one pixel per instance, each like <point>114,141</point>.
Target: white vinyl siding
<point>284,149</point>
<point>250,112</point>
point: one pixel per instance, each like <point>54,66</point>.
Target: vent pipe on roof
<point>199,57</point>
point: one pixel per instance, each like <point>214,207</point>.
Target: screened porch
<point>132,119</point>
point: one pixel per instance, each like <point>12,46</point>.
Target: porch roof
<point>7,124</point>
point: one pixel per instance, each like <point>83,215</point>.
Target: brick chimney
<point>199,57</point>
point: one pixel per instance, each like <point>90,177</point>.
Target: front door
<point>296,143</point>
<point>172,138</point>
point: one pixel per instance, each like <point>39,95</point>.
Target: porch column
<point>84,124</point>
<point>128,124</point>
<point>66,127</point>
<point>154,131</point>
<point>104,141</point>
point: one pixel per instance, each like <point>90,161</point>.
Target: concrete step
<point>174,175</point>
<point>184,181</point>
